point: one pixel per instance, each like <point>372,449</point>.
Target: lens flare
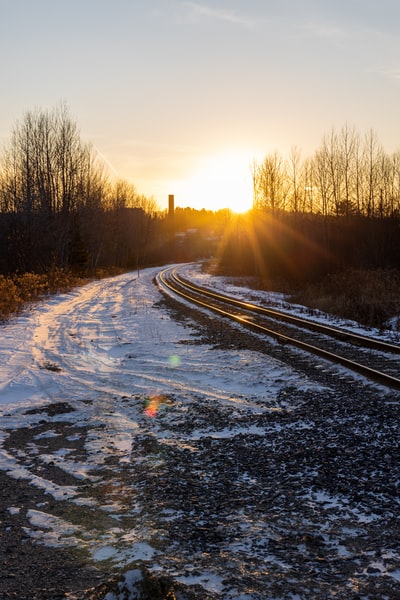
<point>152,405</point>
<point>174,361</point>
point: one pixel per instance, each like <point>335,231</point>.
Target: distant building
<point>171,206</point>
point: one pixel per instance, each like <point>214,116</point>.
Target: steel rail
<point>344,336</point>
<point>372,374</point>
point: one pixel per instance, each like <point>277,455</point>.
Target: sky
<point>181,96</point>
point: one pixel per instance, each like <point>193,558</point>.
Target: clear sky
<point>180,96</point>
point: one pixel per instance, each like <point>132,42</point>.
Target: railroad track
<point>374,359</point>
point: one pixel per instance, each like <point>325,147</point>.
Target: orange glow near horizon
<point>220,181</point>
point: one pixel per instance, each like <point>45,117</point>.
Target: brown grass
<point>371,298</point>
<point>19,290</point>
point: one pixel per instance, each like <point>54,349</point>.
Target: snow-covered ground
<point>110,337</point>
<point>129,377</point>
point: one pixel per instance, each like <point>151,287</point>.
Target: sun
<point>220,181</point>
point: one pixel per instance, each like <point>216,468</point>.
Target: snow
<point>279,301</point>
<point>125,367</point>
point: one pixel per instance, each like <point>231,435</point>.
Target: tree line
<point>338,210</point>
<point>349,174</point>
<point>59,208</point>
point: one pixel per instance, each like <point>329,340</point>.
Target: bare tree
<point>48,178</point>
<point>321,181</point>
<point>371,157</point>
<point>348,149</point>
<point>294,177</point>
<point>271,183</point>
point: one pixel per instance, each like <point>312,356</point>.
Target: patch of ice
<point>14,510</point>
<point>51,530</point>
<point>46,434</point>
<point>104,553</point>
<point>119,554</point>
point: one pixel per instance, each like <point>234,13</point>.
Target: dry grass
<point>17,291</point>
<point>370,297</point>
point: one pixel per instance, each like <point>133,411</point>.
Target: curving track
<point>369,357</point>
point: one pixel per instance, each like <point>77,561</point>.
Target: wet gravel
<point>308,510</point>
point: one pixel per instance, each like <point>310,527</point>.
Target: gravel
<point>311,508</point>
<point>30,571</point>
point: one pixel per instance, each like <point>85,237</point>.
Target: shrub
<point>9,297</point>
<point>17,291</point>
<point>59,280</point>
<point>30,286</point>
